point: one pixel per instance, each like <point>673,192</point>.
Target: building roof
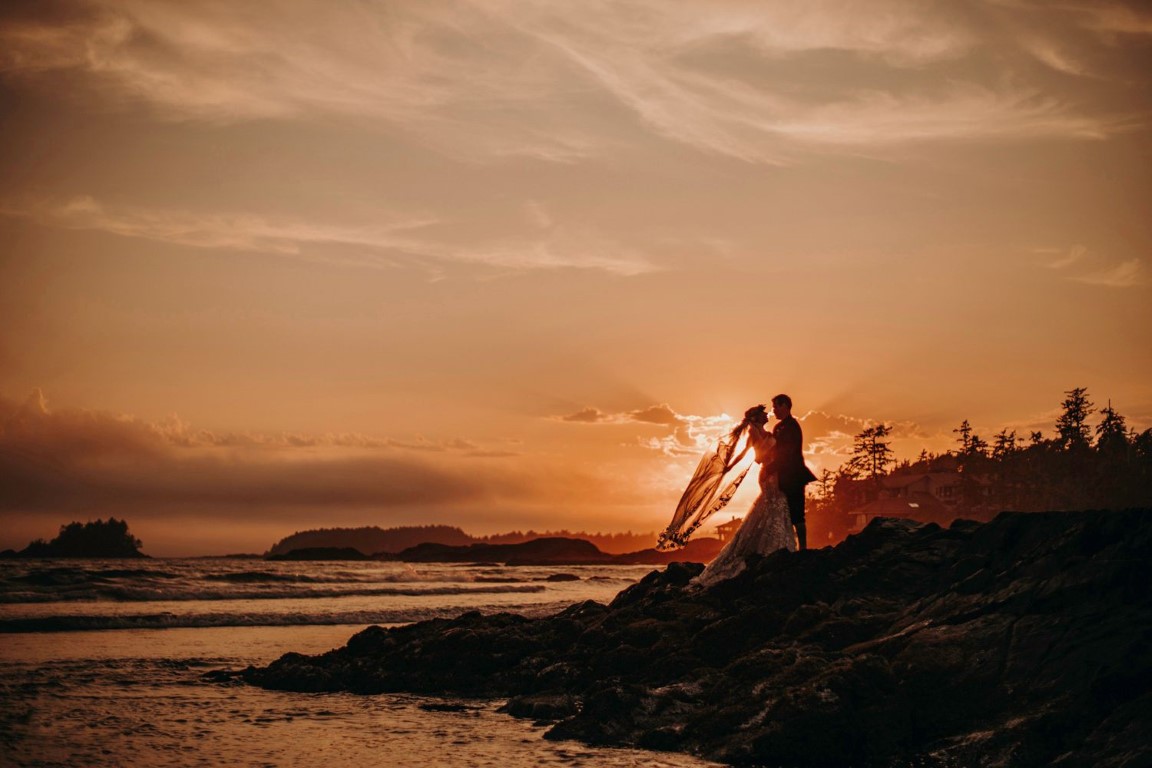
<point>911,478</point>
<point>916,506</point>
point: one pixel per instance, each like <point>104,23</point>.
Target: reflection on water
<point>136,697</point>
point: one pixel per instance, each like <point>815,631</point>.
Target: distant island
<point>321,553</point>
<point>373,540</point>
<point>94,539</point>
<point>549,550</point>
<point>369,540</point>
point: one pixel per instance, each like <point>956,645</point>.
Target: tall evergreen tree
<point>965,439</point>
<point>872,452</point>
<point>1111,433</point>
<point>1072,426</point>
<point>1004,445</point>
<point>825,484</point>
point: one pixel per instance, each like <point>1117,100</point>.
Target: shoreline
<point>1012,640</point>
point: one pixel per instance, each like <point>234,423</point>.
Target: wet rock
<point>542,707</point>
<point>448,707</point>
<point>1024,641</point>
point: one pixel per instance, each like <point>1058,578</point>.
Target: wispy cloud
<point>754,118</point>
<point>445,73</point>
<point>1123,275</point>
<point>1082,265</point>
<point>489,80</point>
<point>1061,258</point>
<point>244,232</point>
<point>1112,17</point>
<point>1052,55</point>
<point>390,238</point>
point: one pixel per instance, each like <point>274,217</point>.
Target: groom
<point>792,474</point>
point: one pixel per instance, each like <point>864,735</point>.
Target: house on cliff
<point>725,531</point>
<point>930,497</point>
<point>921,507</point>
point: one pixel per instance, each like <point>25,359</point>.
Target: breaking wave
<point>387,616</point>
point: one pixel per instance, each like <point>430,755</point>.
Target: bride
<point>767,527</point>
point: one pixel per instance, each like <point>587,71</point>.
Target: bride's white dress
<point>767,528</point>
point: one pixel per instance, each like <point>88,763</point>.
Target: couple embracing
<point>776,520</point>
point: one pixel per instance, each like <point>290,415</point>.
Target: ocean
<point>102,664</point>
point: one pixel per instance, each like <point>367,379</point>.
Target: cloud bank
<point>69,461</point>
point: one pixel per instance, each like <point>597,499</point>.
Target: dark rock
<point>1024,641</point>
<point>542,707</point>
<point>700,550</point>
<point>447,707</point>
<point>557,577</point>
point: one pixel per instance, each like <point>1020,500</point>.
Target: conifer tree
<point>1111,433</point>
<point>1072,426</point>
<point>872,452</point>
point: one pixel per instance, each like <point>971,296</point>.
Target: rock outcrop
<point>96,539</point>
<point>1026,641</point>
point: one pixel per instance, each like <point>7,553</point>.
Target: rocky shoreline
<point>1023,641</point>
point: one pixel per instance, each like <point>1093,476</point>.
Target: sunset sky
<point>267,266</point>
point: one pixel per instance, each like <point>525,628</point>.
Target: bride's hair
<point>756,412</point>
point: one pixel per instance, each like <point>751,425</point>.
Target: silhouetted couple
<point>776,520</point>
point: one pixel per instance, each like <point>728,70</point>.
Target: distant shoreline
<point>541,551</point>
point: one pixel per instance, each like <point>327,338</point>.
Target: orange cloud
<point>63,462</point>
<point>654,414</point>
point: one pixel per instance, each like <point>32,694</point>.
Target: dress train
<point>766,529</point>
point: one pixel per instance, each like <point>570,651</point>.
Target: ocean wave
<point>68,576</point>
<point>250,577</point>
<point>138,594</point>
<point>395,616</point>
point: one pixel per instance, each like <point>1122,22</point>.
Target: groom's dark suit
<point>791,472</point>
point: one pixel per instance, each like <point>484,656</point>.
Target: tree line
<point>1083,464</point>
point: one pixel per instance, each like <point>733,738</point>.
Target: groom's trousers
<point>795,499</point>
